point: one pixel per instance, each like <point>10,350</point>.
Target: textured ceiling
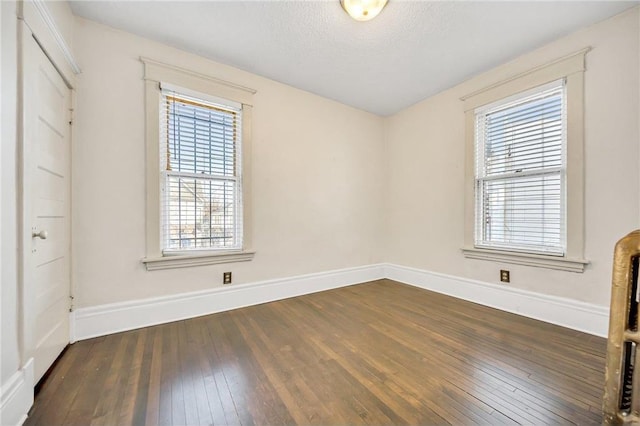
<point>412,50</point>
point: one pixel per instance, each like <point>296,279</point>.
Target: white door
<point>46,207</point>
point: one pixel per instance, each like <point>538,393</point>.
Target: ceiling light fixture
<point>363,10</point>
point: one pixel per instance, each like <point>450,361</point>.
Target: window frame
<point>171,93</point>
<point>571,68</point>
<point>155,74</point>
<point>480,144</point>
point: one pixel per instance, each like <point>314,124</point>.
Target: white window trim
<point>571,68</point>
<point>155,73</point>
<point>185,261</point>
<point>480,145</point>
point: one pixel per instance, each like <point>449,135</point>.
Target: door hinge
<point>70,303</point>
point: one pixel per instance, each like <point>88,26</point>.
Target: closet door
<point>46,206</point>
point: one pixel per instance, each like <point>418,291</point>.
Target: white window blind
<point>200,148</point>
<point>520,172</point>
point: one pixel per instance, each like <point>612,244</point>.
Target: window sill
<point>536,260</point>
<point>187,261</point>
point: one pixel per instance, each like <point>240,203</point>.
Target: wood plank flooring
<point>374,353</point>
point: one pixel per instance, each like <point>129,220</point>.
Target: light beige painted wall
<point>317,174</point>
<point>425,167</point>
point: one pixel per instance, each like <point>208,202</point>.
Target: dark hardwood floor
<point>375,353</point>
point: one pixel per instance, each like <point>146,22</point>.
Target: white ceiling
<point>412,50</point>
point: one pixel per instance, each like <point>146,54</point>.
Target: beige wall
<point>317,173</point>
<point>335,187</point>
<point>425,168</point>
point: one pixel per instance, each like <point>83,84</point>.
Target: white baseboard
<point>16,396</point>
<point>116,317</point>
<point>585,317</point>
<point>113,318</point>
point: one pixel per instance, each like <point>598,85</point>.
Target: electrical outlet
<point>505,276</point>
<point>226,278</point>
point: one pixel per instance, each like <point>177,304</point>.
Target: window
<point>520,166</point>
<point>201,179</point>
<point>524,191</point>
<point>198,141</point>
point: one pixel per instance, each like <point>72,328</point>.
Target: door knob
<point>42,234</point>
